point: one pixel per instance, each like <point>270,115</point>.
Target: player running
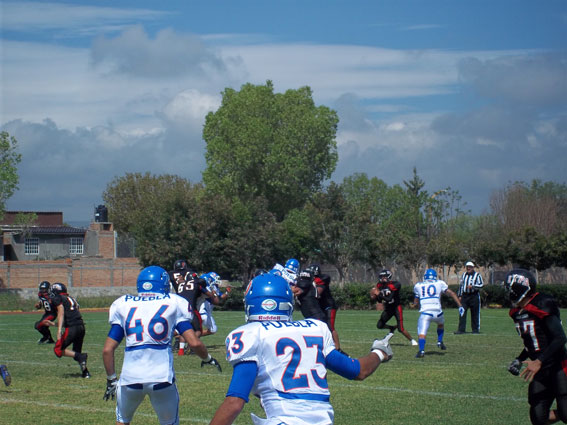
<point>285,362</point>
<point>49,315</point>
<point>428,295</point>
<point>147,321</point>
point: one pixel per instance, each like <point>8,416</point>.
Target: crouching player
<point>147,322</point>
<point>285,362</point>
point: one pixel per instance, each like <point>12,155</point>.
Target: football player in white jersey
<point>207,304</point>
<point>428,295</point>
<point>147,322</point>
<point>285,362</point>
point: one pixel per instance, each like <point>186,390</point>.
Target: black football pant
<point>547,386</point>
<point>470,302</point>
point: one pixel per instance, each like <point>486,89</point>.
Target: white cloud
<point>70,19</point>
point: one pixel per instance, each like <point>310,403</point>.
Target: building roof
<point>44,218</point>
<point>56,230</point>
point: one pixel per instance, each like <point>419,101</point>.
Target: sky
<point>473,94</point>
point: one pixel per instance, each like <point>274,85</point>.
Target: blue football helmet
<point>215,277</point>
<point>153,279</point>
<point>430,274</point>
<point>268,297</point>
<point>292,265</point>
<point>207,277</point>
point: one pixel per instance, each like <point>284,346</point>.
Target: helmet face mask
<point>268,297</point>
<point>153,279</point>
<point>519,283</point>
<point>315,269</point>
<point>430,274</point>
<point>385,275</point>
<point>180,265</point>
<point>292,265</point>
<point>44,287</point>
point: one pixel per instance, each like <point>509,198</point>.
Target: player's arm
<point>243,377</point>
<point>60,319</point>
<point>108,350</point>
<point>454,296</point>
<point>557,340</point>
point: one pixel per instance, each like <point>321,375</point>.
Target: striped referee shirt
<point>470,283</point>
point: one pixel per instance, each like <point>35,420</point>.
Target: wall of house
<point>52,247</point>
<point>75,273</point>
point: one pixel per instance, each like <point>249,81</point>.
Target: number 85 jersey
<point>291,364</point>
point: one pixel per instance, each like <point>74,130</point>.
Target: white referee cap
<point>469,263</point>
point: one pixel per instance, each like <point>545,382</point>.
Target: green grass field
<point>467,384</point>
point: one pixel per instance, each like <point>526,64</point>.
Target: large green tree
<point>9,160</point>
<point>276,145</point>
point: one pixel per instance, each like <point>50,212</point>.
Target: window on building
<point>76,246</point>
<point>31,246</point>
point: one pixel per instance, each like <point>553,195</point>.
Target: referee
<point>468,293</point>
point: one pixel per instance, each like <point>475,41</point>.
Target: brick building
<point>46,249</point>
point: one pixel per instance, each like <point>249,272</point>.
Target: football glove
<point>461,311</point>
<point>212,362</point>
<point>383,349</point>
<point>514,367</point>
<point>110,392</point>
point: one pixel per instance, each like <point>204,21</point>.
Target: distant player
<point>147,321</point>
<point>207,304</point>
<point>289,272</point>
<point>190,286</point>
<point>428,295</point>
<point>387,292</point>
<point>285,362</point>
<point>326,301</point>
<point>49,315</point>
<point>307,296</point>
<point>537,320</point>
<point>69,317</point>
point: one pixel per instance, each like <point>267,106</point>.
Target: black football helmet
<point>385,274</point>
<point>44,286</point>
<point>315,269</point>
<point>180,265</point>
<point>58,288</point>
<point>519,283</point>
<point>259,272</point>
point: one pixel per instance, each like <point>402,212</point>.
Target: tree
<point>261,143</point>
<point>9,160</point>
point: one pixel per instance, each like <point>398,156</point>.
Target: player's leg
<point>79,356</point>
<point>400,322</point>
<point>440,332</point>
<point>206,319</point>
<point>128,398</point>
<point>165,401</point>
<point>560,388</point>
<point>384,317</point>
<point>540,398</point>
<point>422,327</point>
<point>42,327</point>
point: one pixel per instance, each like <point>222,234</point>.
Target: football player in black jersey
<point>387,292</point>
<point>69,317</point>
<point>326,300</point>
<point>190,286</point>
<point>544,355</point>
<point>305,291</point>
<point>49,315</point>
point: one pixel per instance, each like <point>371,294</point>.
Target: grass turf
<point>467,384</point>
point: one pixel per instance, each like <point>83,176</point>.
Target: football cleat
<point>414,342</point>
<point>420,354</point>
<point>5,375</point>
<point>42,340</point>
<point>441,345</point>
<point>86,374</point>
